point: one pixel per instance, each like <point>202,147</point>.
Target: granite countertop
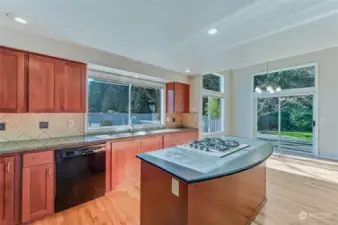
<point>213,167</point>
<point>63,142</point>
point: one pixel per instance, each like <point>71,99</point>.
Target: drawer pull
<point>8,167</point>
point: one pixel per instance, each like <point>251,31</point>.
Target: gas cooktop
<point>214,146</point>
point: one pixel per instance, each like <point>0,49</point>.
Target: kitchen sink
<point>135,133</point>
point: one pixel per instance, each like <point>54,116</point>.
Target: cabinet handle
<point>8,167</point>
<point>49,172</point>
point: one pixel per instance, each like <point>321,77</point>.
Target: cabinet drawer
<point>39,158</point>
<point>189,136</point>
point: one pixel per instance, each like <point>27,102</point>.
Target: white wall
<point>196,100</point>
<point>327,94</point>
<point>39,44</point>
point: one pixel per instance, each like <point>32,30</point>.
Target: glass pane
<point>284,80</point>
<point>267,119</point>
<point>205,119</point>
<point>212,82</point>
<point>145,105</point>
<point>107,104</point>
<point>215,107</point>
<point>212,115</point>
<point>296,123</point>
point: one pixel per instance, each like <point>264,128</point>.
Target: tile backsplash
<point>175,120</point>
<point>25,126</point>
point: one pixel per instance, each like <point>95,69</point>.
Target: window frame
<point>287,91</point>
<point>215,94</point>
<point>129,81</point>
<point>296,91</point>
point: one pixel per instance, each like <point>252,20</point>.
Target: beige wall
<point>327,93</point>
<point>38,44</point>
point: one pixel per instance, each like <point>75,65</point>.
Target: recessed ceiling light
<point>187,70</point>
<point>212,31</point>
<point>17,19</point>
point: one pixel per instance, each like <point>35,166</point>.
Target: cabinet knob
<point>8,167</point>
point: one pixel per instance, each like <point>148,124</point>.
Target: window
<point>212,114</point>
<point>212,103</point>
<point>285,80</point>
<point>145,105</point>
<point>213,82</point>
<point>113,104</point>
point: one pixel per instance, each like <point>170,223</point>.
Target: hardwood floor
<point>300,191</point>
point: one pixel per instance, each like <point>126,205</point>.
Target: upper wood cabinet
<point>41,79</point>
<point>38,181</point>
<point>7,191</point>
<point>37,83</point>
<point>70,88</point>
<point>177,98</point>
<point>12,81</point>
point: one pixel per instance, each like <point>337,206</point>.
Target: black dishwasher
<point>80,175</point>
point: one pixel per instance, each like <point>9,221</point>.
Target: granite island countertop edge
<point>175,170</point>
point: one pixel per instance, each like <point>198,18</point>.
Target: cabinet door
<point>170,98</point>
<point>70,88</point>
<point>151,143</point>
<point>181,98</point>
<point>42,72</point>
<point>37,192</point>
<point>12,84</point>
<point>7,191</point>
<point>124,163</point>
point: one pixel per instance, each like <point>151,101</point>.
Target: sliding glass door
<point>287,122</point>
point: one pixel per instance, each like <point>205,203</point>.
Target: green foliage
<point>110,97</point>
<point>106,123</point>
<point>215,108</point>
<point>301,135</point>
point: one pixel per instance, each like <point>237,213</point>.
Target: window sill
<point>218,133</point>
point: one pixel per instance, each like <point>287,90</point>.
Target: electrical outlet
<point>71,123</point>
<point>2,126</point>
<point>43,125</point>
<point>175,187</point>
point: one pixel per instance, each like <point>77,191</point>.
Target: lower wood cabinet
<point>126,168</point>
<point>171,140</point>
<point>150,144</point>
<point>7,188</point>
<point>123,162</point>
<point>38,183</point>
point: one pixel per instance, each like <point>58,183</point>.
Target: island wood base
<point>230,200</point>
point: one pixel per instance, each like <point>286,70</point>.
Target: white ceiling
<point>173,33</point>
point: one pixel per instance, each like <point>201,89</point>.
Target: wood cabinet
<point>38,182</point>
<point>7,188</point>
<point>151,143</point>
<point>41,80</point>
<point>12,81</point>
<point>126,167</point>
<point>123,162</point>
<point>177,100</point>
<point>171,140</point>
<point>70,88</point>
<point>40,84</point>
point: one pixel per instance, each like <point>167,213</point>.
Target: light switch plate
<point>175,187</point>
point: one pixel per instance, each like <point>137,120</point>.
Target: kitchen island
<point>187,187</point>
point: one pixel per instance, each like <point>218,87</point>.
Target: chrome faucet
<point>132,126</point>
